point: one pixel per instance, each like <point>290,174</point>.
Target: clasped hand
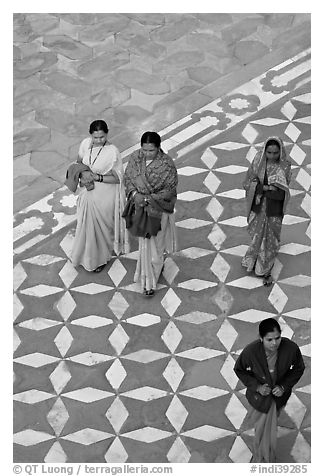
<point>265,390</point>
<point>140,199</point>
<point>86,177</point>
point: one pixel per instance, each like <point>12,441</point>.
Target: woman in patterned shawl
<point>267,192</point>
<point>151,182</point>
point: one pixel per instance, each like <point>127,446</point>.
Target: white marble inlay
<point>249,133</point>
<point>58,416</point>
<point>235,411</point>
<point>304,179</point>
<point>36,359</point>
<point>63,340</point>
<point>293,220</point>
<point>306,389</point>
<point>306,350</point>
<point>292,132</point>
<point>147,434</point>
<point>295,409</point>
<point>66,305</point>
<point>60,377</point>
<point>145,394</point>
<point>93,322</point>
<point>207,433</point>
<point>17,307</point>
<point>67,243</point>
<point>212,182</point>
<point>220,268</point>
<point>204,392</point>
<point>16,341</point>
<point>305,98</point>
<point>90,358</point>
<point>117,414</point>
<point>306,204</point>
<point>194,253</point>
<point>68,274</point>
<point>303,314</point>
<point>197,317</point>
<point>236,250</point>
<point>118,339</point>
<point>209,158</point>
<point>278,298</point>
<point>116,374</point>
<point>232,169</point>
<point>301,451</point>
<point>252,315</point>
<point>286,331</point>
<point>31,437</point>
<point>189,171</point>
<point>297,154</point>
<point>236,194</point>
<point>196,284</point>
<point>32,396</point>
<point>251,154</point>
<point>56,454</point>
<point>192,223</point>
<point>269,121</point>
<point>177,413</point>
<point>214,208</point>
<point>230,146</point>
<point>247,282</point>
<point>238,221</point>
<point>309,231</point>
<point>217,237</point>
<point>87,436</point>
<point>227,335</point>
<point>19,276</point>
<point>294,249</point>
<point>200,353</point>
<point>228,373</point>
<point>41,290</point>
<point>43,260</point>
<point>288,110</point>
<point>170,270</point>
<point>178,452</point>
<point>144,320</point>
<point>300,280</point>
<point>170,302</point>
<point>191,196</point>
<point>145,356</point>
<point>92,288</point>
<point>87,394</point>
<point>171,336</point>
<point>118,305</point>
<point>173,374</point>
<point>27,226</point>
<point>240,453</point>
<point>116,452</point>
<point>117,272</point>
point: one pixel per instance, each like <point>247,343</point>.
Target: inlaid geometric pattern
<point>102,374</point>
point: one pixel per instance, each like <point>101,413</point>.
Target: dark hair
<point>150,137</point>
<point>98,125</point>
<point>268,325</point>
<point>273,142</point>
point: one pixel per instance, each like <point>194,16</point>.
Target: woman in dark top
<point>269,368</point>
<point>267,192</point>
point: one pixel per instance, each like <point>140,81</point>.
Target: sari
<point>263,229</point>
<point>100,228</point>
<point>265,425</point>
<point>158,181</point>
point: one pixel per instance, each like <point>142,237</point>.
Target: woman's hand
<point>277,391</point>
<point>264,389</point>
<point>139,199</point>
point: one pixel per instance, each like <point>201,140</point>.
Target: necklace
<point>97,153</point>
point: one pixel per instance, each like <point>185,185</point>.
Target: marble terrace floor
<point>102,374</point>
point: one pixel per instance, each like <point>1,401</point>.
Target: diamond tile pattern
<point>105,368</point>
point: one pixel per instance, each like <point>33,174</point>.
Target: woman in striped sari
<point>267,192</point>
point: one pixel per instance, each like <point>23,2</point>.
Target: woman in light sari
<point>100,229</point>
<point>267,192</point>
<point>269,367</point>
<point>151,184</point>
